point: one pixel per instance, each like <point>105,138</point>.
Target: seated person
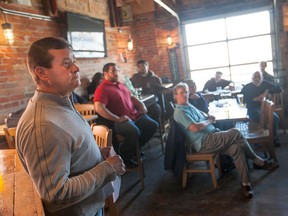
<point>196,98</point>
<point>114,102</point>
<point>82,89</point>
<point>213,83</point>
<point>150,84</point>
<point>96,80</point>
<point>146,79</point>
<point>78,99</point>
<point>254,92</point>
<point>205,138</point>
<point>266,76</point>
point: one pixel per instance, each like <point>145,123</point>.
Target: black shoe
<point>267,165</point>
<point>247,191</point>
<point>130,164</point>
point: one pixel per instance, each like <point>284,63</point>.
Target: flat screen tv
<point>87,36</point>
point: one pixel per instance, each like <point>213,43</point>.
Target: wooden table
<point>228,109</point>
<point>17,194</point>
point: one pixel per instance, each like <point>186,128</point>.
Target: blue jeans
<point>142,130</point>
<point>99,213</point>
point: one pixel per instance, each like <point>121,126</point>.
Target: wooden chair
<point>140,167</point>
<point>87,111</point>
<point>210,158</point>
<point>261,133</point>
<point>180,157</point>
<point>103,137</point>
<point>278,101</point>
<point>10,134</point>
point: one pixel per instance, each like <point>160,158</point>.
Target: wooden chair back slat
<point>102,135</point>
<point>278,101</point>
<point>85,109</point>
<point>10,135</point>
<point>268,116</point>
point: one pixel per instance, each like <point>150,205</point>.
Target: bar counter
<point>17,194</point>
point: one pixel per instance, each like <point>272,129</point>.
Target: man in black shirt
<point>151,84</point>
<point>213,83</point>
<point>254,92</point>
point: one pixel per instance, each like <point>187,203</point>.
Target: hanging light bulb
<point>130,43</point>
<point>8,31</point>
<point>169,40</point>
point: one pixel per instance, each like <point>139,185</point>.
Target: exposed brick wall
<point>16,85</point>
<point>151,38</point>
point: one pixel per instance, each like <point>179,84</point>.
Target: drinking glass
<point>139,92</point>
<point>240,98</point>
<point>218,88</point>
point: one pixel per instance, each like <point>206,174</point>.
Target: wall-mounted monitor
<point>87,36</point>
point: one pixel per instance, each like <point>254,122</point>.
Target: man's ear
<point>41,72</point>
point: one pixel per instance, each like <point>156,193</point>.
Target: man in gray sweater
<point>55,143</point>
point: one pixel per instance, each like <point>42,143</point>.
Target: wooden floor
<point>163,194</point>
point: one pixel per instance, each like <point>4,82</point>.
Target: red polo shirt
<point>117,99</point>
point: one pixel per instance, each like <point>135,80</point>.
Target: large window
<point>233,45</point>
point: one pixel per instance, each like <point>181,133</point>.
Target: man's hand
<point>117,163</point>
<point>140,106</point>
<point>261,96</point>
<point>211,118</point>
<point>123,119</point>
<point>142,110</point>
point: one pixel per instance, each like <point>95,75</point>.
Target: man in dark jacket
<point>146,79</point>
<point>150,84</point>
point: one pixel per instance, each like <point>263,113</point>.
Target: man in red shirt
<point>114,102</point>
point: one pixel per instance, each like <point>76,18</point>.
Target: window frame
<point>270,62</point>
